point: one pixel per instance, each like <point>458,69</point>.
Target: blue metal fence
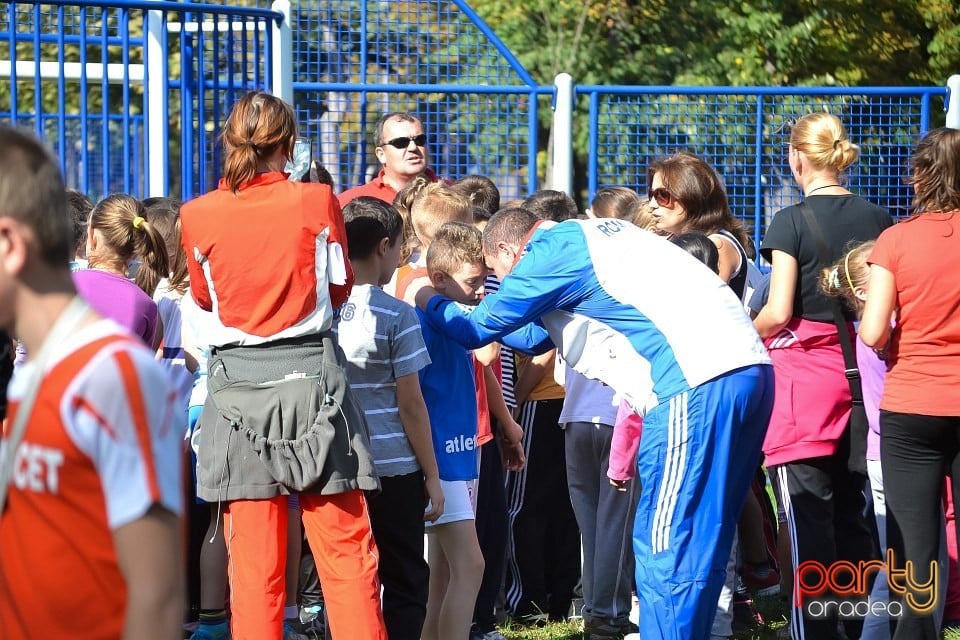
<point>80,75</point>
<point>357,59</point>
<point>744,133</point>
<point>116,103</point>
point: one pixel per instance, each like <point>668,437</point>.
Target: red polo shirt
<point>377,188</point>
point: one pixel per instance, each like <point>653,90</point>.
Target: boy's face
<point>464,286</point>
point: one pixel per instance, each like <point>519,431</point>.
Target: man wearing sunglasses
<point>402,152</point>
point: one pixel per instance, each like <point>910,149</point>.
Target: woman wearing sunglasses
<point>687,196</point>
<point>808,440</point>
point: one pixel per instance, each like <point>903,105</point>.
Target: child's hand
<point>620,485</point>
<point>511,446</point>
<point>434,495</point>
<point>512,456</point>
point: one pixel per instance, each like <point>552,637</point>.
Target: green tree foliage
<point>760,42</point>
<point>717,42</point>
<point>942,20</point>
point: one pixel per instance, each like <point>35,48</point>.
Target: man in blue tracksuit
<point>670,337</point>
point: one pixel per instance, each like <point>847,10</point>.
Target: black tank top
<point>739,280</point>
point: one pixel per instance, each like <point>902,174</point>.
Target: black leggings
<point>916,453</point>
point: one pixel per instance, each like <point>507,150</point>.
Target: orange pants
<point>338,530</point>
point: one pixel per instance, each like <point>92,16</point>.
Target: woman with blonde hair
<point>808,441</point>
<point>268,257</point>
<point>911,270</point>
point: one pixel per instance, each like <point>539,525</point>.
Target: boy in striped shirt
<point>380,337</point>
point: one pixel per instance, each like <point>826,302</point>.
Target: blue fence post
<point>37,77</point>
<point>124,25</point>
<point>361,158</point>
<point>186,109</point>
<point>104,102</point>
<point>201,109</point>
<point>12,43</point>
<point>84,120</point>
<point>532,123</point>
<point>61,91</point>
<point>758,176</point>
<point>593,161</point>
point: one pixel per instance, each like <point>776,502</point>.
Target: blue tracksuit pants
<point>698,454</point>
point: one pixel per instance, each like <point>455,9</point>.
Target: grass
<point>553,631</point>
<point>771,610</point>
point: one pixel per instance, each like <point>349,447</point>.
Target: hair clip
<point>835,278</point>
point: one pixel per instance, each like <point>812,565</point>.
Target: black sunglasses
<point>663,197</point>
<point>404,141</point>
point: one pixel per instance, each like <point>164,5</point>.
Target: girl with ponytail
<point>118,235</point>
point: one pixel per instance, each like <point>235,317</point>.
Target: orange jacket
<point>270,261</point>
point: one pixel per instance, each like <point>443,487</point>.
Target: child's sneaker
<point>314,619</point>
<point>211,632</point>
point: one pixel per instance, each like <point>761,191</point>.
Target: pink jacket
<point>625,443</point>
<point>812,403</point>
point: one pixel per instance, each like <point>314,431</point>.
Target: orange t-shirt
<point>484,431</point>
<point>923,254</point>
<point>100,449</point>
<point>547,389</point>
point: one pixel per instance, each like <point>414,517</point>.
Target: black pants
<point>396,516</point>
<point>825,506</point>
<point>543,565</point>
<point>916,453</point>
<point>491,522</point>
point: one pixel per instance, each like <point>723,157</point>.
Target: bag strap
<point>846,345</point>
<point>67,323</point>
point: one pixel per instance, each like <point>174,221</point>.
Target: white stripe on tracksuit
<point>796,617</point>
<point>528,412</point>
<point>675,466</point>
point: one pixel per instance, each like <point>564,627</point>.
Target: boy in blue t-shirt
<point>380,338</point>
<point>455,267</point>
